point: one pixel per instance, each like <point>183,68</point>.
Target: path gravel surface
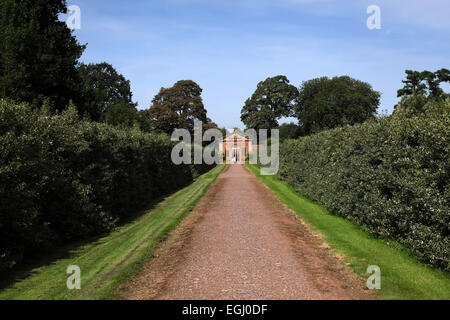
<point>242,243</point>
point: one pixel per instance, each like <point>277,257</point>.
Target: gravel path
<point>242,243</point>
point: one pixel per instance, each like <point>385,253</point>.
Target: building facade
<point>236,147</point>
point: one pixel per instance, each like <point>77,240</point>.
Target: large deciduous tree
<point>105,93</point>
<point>272,100</point>
<point>325,103</point>
<point>38,53</point>
<point>178,107</point>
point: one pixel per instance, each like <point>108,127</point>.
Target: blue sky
<point>228,46</point>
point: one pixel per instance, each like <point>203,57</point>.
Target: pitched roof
<point>237,132</point>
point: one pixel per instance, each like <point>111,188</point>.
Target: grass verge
<point>110,261</point>
<point>403,276</point>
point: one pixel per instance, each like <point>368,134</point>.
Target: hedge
<point>390,175</point>
<point>64,179</point>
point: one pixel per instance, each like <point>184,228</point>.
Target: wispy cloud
<point>229,46</point>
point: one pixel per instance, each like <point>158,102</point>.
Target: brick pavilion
<point>236,147</point>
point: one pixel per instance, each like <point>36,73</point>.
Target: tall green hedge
<point>64,179</point>
<point>391,175</point>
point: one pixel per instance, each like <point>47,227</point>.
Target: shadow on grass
<point>50,255</point>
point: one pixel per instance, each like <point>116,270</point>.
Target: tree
<point>411,105</point>
<point>102,88</point>
<point>224,131</point>
<point>272,100</point>
<point>433,84</point>
<point>178,107</point>
<point>443,75</point>
<point>289,131</point>
<point>144,121</point>
<point>425,83</point>
<point>422,92</point>
<point>209,124</point>
<point>38,53</point>
<point>325,103</point>
<point>122,114</point>
<point>413,84</point>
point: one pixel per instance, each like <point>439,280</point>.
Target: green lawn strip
<point>403,276</point>
<point>110,261</point>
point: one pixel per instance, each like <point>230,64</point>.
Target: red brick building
<point>236,147</point>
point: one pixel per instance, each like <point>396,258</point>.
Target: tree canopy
<point>425,83</point>
<point>122,114</point>
<point>272,100</point>
<point>178,107</point>
<point>289,131</point>
<point>422,93</point>
<point>209,124</point>
<point>102,88</point>
<point>325,103</point>
<point>38,53</point>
